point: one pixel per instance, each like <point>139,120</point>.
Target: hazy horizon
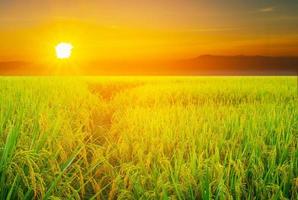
<point>200,65</point>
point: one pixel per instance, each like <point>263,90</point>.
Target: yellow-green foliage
<point>148,138</point>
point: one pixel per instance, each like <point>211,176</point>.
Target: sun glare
<point>63,50</point>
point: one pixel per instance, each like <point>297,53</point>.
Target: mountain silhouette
<point>201,65</point>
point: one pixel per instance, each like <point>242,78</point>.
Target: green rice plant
<point>148,138</point>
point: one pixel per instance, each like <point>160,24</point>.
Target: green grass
<point>148,138</point>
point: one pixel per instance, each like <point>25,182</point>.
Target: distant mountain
<point>202,65</point>
<point>18,68</point>
<point>241,65</point>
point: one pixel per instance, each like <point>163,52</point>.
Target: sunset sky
<point>163,29</point>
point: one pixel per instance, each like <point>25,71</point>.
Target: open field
<point>148,138</point>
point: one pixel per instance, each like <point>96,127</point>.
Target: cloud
<point>267,9</point>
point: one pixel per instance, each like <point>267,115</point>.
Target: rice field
<point>148,138</point>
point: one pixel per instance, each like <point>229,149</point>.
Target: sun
<point>63,50</point>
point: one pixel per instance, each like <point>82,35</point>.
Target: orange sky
<point>141,30</point>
